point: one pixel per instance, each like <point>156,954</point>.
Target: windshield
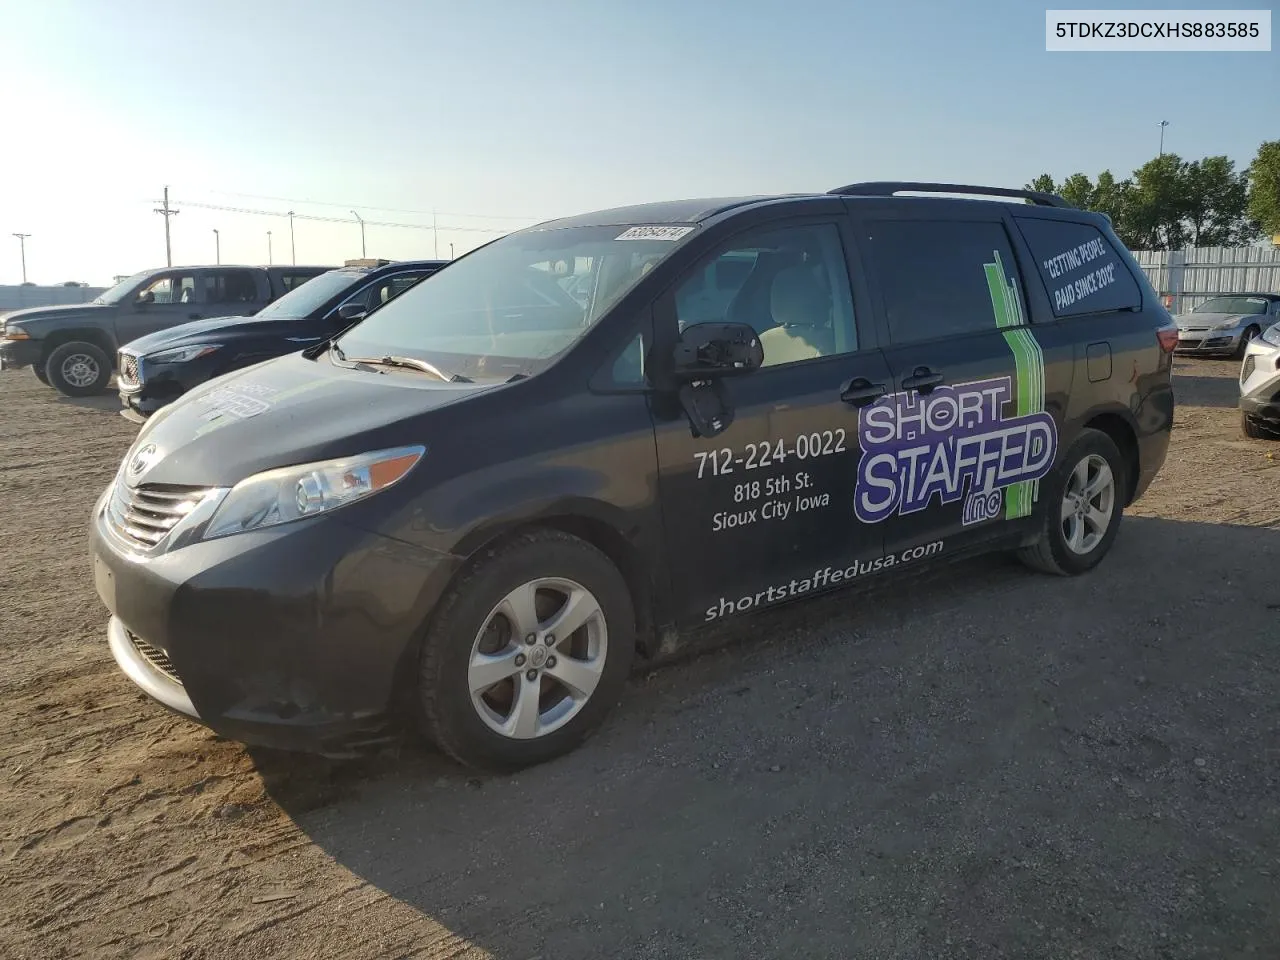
<point>515,305</point>
<point>121,289</point>
<point>1233,305</point>
<point>310,295</point>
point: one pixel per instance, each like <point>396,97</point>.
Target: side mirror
<point>147,296</point>
<point>351,312</point>
<point>710,350</point>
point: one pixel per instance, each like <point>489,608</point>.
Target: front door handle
<point>922,380</point>
<point>860,391</point>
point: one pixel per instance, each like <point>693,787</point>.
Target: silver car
<point>1260,386</point>
<point>1226,325</point>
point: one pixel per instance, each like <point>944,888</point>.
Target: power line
<point>325,219</point>
<point>366,206</point>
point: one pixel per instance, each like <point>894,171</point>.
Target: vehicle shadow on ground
<point>1222,392</point>
<point>106,402</point>
<point>978,763</point>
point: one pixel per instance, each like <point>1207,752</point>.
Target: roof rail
<point>887,188</point>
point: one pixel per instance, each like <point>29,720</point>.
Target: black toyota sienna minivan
<point>472,509</point>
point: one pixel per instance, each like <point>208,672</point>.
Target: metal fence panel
<point>1190,277</point>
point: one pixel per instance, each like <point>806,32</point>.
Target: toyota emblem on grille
<point>142,459</point>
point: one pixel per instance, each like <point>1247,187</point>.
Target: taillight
<point>1168,337</point>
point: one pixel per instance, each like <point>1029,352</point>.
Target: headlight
<point>291,493</point>
<point>1226,324</point>
<point>16,333</point>
<point>1272,334</point>
<point>183,354</point>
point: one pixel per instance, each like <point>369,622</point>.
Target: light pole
<point>22,248</point>
<point>217,246</point>
<point>1163,124</point>
<point>451,251</point>
<point>361,219</point>
<point>293,250</point>
<point>269,260</point>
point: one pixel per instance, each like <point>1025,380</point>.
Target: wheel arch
<point>1123,433</point>
<point>98,338</point>
<point>594,522</point>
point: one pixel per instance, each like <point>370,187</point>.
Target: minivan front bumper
<point>297,637</point>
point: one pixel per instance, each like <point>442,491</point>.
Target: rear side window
<point>943,278</point>
<point>230,286</point>
<point>1081,269</point>
<point>291,280</point>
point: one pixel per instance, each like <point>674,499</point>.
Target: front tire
<point>1254,430</point>
<point>1246,338</point>
<point>38,369</point>
<point>1084,500</point>
<point>527,654</point>
<point>79,369</point>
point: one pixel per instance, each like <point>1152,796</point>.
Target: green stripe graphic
<point>1029,366</point>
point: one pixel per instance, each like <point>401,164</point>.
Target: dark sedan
<point>157,369</point>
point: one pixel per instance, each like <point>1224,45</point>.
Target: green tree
<point>1264,188</point>
<point>1216,203</point>
<point>1169,203</point>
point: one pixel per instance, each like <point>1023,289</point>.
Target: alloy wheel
<point>538,658</point>
<point>1088,504</point>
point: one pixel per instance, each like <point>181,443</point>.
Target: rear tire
<point>1082,509</point>
<point>79,369</point>
<point>478,634</point>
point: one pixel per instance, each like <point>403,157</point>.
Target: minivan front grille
<point>127,364</point>
<point>144,515</point>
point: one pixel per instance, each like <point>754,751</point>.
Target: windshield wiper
<point>413,364</point>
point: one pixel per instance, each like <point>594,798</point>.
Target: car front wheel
<point>1084,500</point>
<point>527,654</point>
<point>1246,338</point>
<point>78,369</point>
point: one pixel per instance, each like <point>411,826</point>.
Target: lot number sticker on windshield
<point>654,233</point>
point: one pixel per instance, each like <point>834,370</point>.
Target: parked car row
<point>470,509</point>
<point>157,369</point>
<point>73,348</point>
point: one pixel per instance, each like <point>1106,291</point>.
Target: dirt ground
<point>987,764</point>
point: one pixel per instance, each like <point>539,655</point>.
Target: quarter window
<point>789,283</point>
<point>943,278</point>
<point>1081,269</point>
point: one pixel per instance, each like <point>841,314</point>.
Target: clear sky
<point>496,113</point>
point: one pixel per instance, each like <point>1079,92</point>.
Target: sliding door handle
<point>860,391</point>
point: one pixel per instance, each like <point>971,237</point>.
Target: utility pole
<point>168,212</point>
<point>1163,124</point>
<point>217,247</point>
<point>22,247</point>
<point>269,260</point>
<point>435,236</point>
<point>293,250</point>
<point>361,219</point>
<point>451,251</point>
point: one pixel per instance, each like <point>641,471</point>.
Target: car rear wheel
<point>1084,501</point>
<point>79,369</point>
<point>1246,338</point>
<point>527,654</point>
